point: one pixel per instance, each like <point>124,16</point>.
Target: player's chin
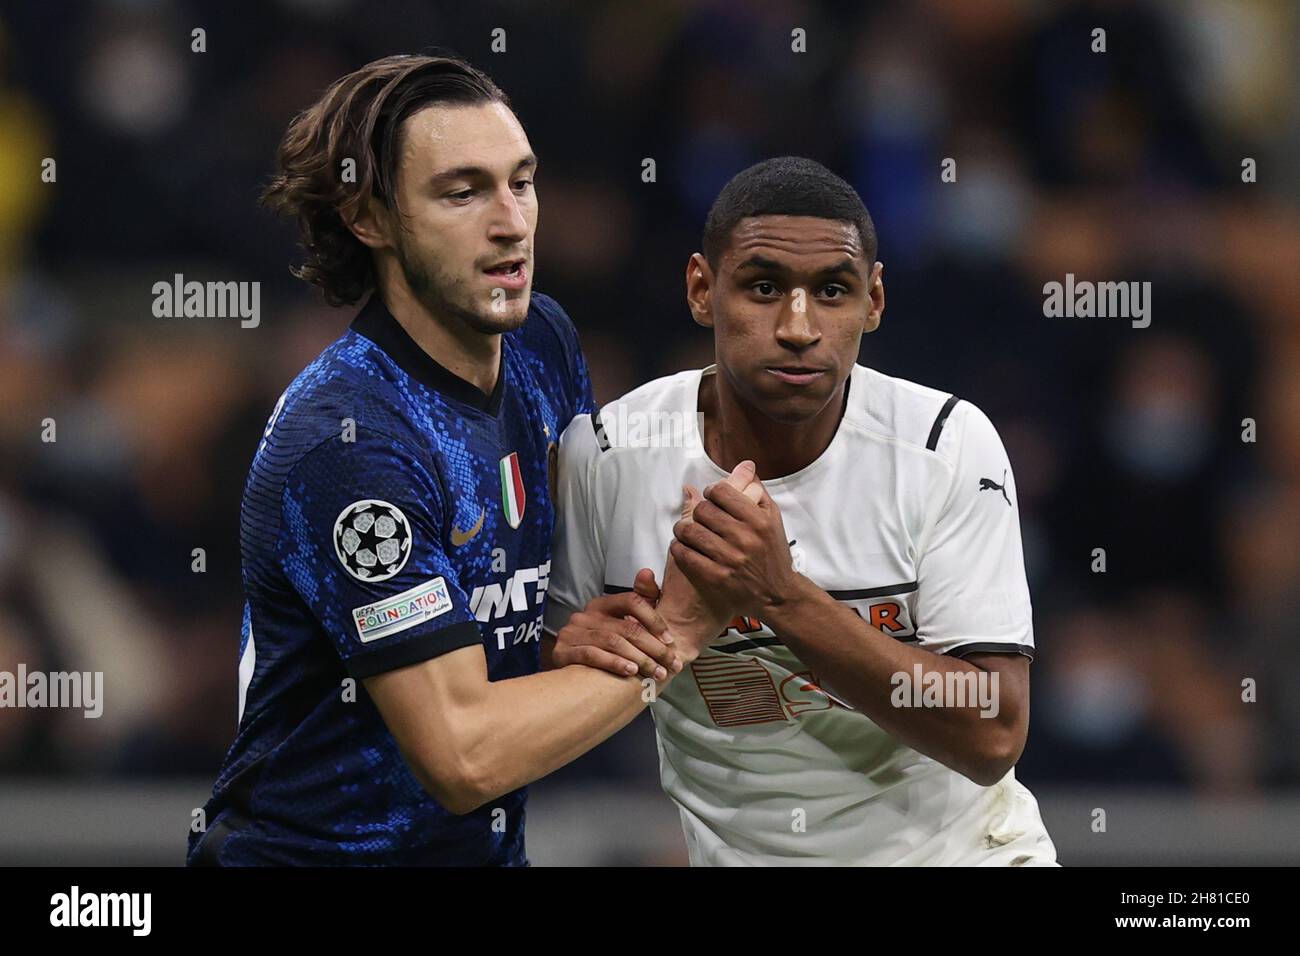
<point>792,405</point>
<point>500,312</point>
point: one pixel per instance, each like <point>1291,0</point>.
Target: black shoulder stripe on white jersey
<point>937,428</point>
<point>991,647</point>
<point>602,440</point>
<point>855,594</point>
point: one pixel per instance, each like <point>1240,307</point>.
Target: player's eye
<point>522,185</point>
<point>764,288</point>
<point>834,291</point>
<point>461,195</point>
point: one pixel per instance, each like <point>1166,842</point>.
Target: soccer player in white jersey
<point>870,698</point>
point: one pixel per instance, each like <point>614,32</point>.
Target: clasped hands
<point>729,556</point>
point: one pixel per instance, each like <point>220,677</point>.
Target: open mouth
<point>796,374</point>
<point>511,274</point>
<point>510,267</point>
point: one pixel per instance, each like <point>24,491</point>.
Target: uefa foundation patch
<point>394,615</point>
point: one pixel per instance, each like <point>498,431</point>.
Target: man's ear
<point>372,224</point>
<point>875,298</point>
<point>699,290</point>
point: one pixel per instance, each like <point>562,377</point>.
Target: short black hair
<point>785,186</point>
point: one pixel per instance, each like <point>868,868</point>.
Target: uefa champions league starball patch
<point>373,539</point>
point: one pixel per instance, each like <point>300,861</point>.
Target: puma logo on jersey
<point>459,537</point>
<point>988,483</point>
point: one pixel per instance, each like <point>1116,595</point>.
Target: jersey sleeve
<point>578,546</point>
<point>972,596</point>
<point>360,542</point>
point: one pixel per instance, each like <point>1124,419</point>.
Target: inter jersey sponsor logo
<point>490,602</point>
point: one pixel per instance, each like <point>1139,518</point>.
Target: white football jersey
<point>909,517</point>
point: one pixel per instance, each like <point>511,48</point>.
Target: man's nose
<point>796,329</point>
<point>508,221</point>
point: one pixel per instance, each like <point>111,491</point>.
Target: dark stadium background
<point>1117,166</point>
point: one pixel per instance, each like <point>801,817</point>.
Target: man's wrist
<point>690,634</point>
<point>793,599</point>
<point>688,640</point>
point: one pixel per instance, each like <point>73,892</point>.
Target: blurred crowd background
<point>1120,166</point>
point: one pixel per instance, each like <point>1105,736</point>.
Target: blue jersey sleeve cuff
<point>414,651</point>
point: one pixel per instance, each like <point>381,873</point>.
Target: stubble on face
<point>443,245</point>
<point>445,292</point>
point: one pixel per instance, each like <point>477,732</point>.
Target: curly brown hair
<point>360,118</point>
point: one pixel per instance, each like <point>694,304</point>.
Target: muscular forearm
<point>516,731</point>
<point>469,740</point>
<point>860,663</point>
<point>528,727</point>
<point>522,729</point>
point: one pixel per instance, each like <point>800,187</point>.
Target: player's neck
<point>735,431</point>
<point>466,353</point>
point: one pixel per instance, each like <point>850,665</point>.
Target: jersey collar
<point>376,323</point>
<point>696,421</point>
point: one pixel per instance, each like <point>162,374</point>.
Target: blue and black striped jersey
<point>393,513</point>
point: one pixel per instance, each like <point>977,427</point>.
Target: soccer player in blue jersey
<point>396,524</point>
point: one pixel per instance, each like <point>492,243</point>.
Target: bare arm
<point>981,740</point>
<point>738,549</point>
<point>469,740</point>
